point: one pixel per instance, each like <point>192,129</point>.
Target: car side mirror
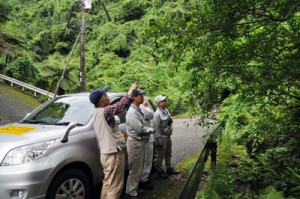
<point>70,127</point>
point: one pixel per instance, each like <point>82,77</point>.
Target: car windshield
<point>62,111</point>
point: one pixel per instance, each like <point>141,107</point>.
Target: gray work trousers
<point>136,154</point>
<point>147,161</point>
<point>164,153</point>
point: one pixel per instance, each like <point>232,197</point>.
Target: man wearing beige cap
<point>162,122</point>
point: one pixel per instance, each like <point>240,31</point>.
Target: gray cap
<point>138,92</point>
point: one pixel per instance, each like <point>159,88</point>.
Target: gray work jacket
<point>161,123</point>
<point>136,125</point>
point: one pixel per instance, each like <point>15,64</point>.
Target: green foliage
<point>293,176</point>
<point>243,55</point>
<point>22,69</point>
<point>5,9</point>
<point>269,140</point>
<point>130,10</point>
<point>249,48</point>
<point>271,193</point>
<point>116,53</point>
<point>51,71</point>
<point>220,181</point>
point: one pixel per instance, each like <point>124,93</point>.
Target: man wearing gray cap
<point>138,136</point>
<point>110,140</point>
<point>162,122</point>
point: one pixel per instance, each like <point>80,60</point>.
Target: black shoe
<point>131,197</point>
<point>146,185</point>
<point>140,192</point>
<point>171,171</point>
<point>162,175</point>
<point>153,170</point>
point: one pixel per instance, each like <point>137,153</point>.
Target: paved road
<point>187,139</point>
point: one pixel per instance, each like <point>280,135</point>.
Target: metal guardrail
<point>191,185</point>
<point>24,85</point>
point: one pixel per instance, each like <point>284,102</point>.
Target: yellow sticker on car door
<point>16,130</point>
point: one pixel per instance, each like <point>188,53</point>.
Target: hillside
<point>116,52</point>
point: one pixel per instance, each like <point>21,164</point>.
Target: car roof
<point>110,94</point>
<point>113,96</point>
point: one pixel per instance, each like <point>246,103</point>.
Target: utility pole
<point>82,60</point>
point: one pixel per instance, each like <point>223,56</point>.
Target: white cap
<point>159,98</point>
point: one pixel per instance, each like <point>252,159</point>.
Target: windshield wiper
<point>34,122</point>
<point>66,124</point>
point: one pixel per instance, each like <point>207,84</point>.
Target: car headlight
<point>26,153</point>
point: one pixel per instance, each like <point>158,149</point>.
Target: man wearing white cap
<point>162,122</point>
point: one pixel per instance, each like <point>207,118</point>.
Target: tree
<point>10,40</point>
<point>251,49</point>
<point>51,71</point>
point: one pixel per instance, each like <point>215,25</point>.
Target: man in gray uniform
<point>162,122</point>
<point>138,136</point>
<point>145,182</point>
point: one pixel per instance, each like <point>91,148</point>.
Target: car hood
<point>20,134</point>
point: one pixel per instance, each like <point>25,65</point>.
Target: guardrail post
<point>213,153</point>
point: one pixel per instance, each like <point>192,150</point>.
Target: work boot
<point>171,171</point>
<point>162,175</point>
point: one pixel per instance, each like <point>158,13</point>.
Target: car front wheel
<point>71,183</point>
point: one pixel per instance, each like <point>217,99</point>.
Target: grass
<point>170,188</point>
<point>165,188</point>
<point>31,101</point>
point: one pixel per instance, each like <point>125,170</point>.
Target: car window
<point>63,111</point>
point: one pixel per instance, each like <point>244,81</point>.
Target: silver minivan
<point>52,153</point>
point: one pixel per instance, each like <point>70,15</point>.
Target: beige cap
<point>159,98</point>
